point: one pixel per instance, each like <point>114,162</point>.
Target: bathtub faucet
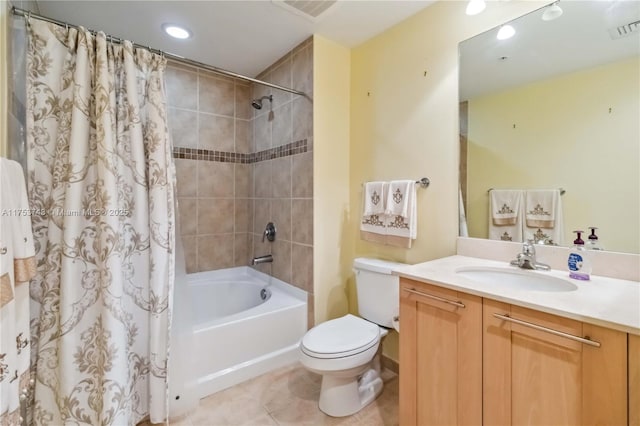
<point>267,258</point>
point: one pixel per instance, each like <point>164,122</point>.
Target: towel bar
<point>423,182</point>
<point>562,191</point>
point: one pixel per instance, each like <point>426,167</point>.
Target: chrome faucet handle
<point>269,232</point>
<point>529,248</point>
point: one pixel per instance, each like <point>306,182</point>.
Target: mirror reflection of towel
<point>505,214</point>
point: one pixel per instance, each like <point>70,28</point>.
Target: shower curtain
<point>100,178</point>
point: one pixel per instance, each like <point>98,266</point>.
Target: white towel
<point>374,198</point>
<point>505,214</point>
<point>546,208</point>
<point>402,221</point>
<point>463,231</point>
<point>373,222</point>
<point>398,198</point>
<point>540,208</point>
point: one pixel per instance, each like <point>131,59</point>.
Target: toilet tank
<point>378,290</point>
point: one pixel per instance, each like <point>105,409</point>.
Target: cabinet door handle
<point>586,341</point>
<point>438,298</point>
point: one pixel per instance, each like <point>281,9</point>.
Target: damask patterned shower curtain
<point>101,192</point>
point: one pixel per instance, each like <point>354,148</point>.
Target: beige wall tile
<point>261,133</point>
<point>215,179</point>
<point>187,208</point>
<point>216,95</point>
<point>182,88</point>
<point>311,321</point>
<point>186,177</point>
<point>241,215</point>
<point>244,134</point>
<point>302,221</point>
<point>281,75</point>
<point>216,133</point>
<point>262,180</point>
<point>215,215</point>
<point>190,254</point>
<point>244,109</point>
<point>184,128</point>
<point>241,256</point>
<point>302,175</point>
<point>282,131</point>
<point>302,70</point>
<point>302,118</point>
<point>243,180</point>
<point>215,252</point>
<point>282,260</point>
<point>261,215</point>
<point>281,177</point>
<point>302,267</point>
<point>281,217</point>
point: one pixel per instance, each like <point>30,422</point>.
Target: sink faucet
<point>527,259</point>
<point>267,258</point>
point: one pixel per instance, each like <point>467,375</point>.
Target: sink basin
<point>516,278</point>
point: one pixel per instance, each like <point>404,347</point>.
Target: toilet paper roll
<point>396,320</point>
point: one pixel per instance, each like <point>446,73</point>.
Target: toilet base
<point>344,396</point>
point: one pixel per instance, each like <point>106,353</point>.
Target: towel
<point>402,214</point>
<point>398,197</point>
<point>544,222</point>
<point>540,207</point>
<point>374,198</point>
<point>463,231</point>
<point>505,214</point>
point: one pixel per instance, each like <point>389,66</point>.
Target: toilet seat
<point>341,337</point>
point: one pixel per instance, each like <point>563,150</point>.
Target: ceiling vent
<point>314,10</point>
<point>624,30</point>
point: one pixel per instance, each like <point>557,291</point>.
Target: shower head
<point>257,103</point>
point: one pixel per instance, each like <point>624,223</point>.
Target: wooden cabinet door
<point>634,380</point>
<point>440,356</point>
<point>534,373</point>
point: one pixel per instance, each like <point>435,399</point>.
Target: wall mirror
<point>557,105</point>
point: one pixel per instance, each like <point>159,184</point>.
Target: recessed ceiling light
<point>176,31</point>
<point>552,12</point>
<point>475,6</point>
<point>505,32</point>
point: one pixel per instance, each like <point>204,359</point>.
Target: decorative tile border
<point>292,148</point>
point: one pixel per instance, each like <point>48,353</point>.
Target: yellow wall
<point>333,250</point>
<point>404,124</point>
<point>565,136</point>
<point>4,60</point>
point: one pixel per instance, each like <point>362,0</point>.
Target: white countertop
<point>602,301</point>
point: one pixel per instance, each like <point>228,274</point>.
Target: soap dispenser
<point>579,263</point>
<point>593,243</point>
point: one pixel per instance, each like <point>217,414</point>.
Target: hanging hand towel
<point>540,208</point>
<point>398,197</point>
<point>374,198</point>
<point>545,208</point>
<point>402,217</point>
<point>372,224</point>
<point>505,214</point>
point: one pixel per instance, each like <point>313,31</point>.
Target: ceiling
<point>240,36</point>
<point>578,39</point>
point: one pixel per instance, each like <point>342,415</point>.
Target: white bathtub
<point>237,334</point>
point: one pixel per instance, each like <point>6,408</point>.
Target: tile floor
<point>287,396</point>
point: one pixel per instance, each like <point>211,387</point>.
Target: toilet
<point>345,351</point>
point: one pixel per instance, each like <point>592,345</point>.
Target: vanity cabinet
<point>535,373</point>
<point>440,356</point>
<point>634,380</point>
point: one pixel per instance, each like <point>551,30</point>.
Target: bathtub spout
<point>267,258</point>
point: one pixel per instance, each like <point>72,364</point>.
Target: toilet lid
<point>343,336</point>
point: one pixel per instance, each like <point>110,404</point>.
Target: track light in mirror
<point>552,12</point>
<point>505,32</point>
<point>475,6</point>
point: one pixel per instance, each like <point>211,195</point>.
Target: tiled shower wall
<point>239,168</point>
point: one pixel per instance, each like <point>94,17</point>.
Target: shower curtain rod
<point>177,58</point>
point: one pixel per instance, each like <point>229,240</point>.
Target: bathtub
<point>241,331</point>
